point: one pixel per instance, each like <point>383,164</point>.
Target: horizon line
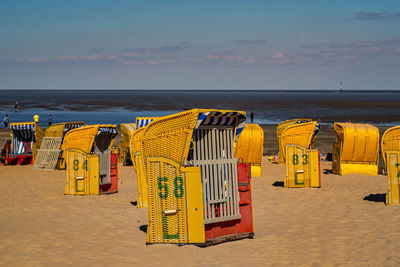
<point>205,90</point>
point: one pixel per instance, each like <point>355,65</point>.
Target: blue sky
<point>145,44</point>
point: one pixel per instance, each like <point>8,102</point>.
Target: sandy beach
<point>343,223</point>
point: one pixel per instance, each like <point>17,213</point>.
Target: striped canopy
<point>235,119</point>
<point>23,126</point>
<point>143,122</point>
<point>70,126</point>
<point>23,138</point>
<point>110,130</point>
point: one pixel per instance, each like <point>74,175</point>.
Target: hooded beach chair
<point>135,148</point>
<point>92,163</point>
<point>49,154</point>
<point>250,146</point>
<point>356,149</point>
<point>127,130</point>
<point>390,147</point>
<point>26,138</point>
<point>295,132</point>
<point>198,193</point>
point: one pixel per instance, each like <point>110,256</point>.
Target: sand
<point>343,223</point>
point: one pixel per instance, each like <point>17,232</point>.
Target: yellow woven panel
<point>302,167</point>
<point>250,145</point>
<point>57,130</point>
<point>281,127</point>
<point>357,148</point>
<point>82,173</point>
<point>82,138</point>
<point>170,136</point>
<point>336,158</point>
<point>127,130</point>
<point>296,134</point>
<point>360,142</point>
<point>135,147</point>
<point>390,141</point>
<point>393,175</point>
<point>167,197</point>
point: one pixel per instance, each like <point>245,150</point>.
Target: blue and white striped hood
<point>23,138</point>
<point>23,127</point>
<point>70,126</point>
<point>142,122</point>
<point>110,130</point>
<point>235,119</point>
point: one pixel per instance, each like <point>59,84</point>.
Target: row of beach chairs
<point>194,168</point>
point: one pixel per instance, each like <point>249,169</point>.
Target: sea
<point>378,107</point>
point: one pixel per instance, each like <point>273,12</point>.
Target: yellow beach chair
<point>302,167</point>
<point>197,192</point>
<point>390,147</point>
<point>393,176</point>
<point>127,130</point>
<point>295,132</point>
<point>49,154</point>
<point>92,163</point>
<point>356,149</point>
<point>390,141</point>
<point>250,146</point>
<point>135,149</point>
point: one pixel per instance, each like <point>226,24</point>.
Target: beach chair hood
<point>171,136</point>
<point>83,138</point>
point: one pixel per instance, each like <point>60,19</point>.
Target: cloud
<point>212,57</point>
<point>131,55</point>
<point>125,58</point>
<point>375,15</point>
<point>280,58</point>
<point>350,57</point>
<point>37,60</point>
<point>96,51</point>
<point>94,57</point>
<point>335,49</point>
<point>184,43</point>
<point>355,52</point>
<point>250,61</point>
<point>250,42</point>
<point>173,48</point>
<point>292,58</point>
<point>225,56</point>
<point>162,49</point>
<point>279,55</point>
<point>160,61</point>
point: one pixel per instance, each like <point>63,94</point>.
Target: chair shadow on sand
<point>134,203</point>
<point>143,228</point>
<point>278,184</point>
<point>376,197</point>
<point>327,171</point>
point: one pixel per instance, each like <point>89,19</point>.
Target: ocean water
<point>270,107</point>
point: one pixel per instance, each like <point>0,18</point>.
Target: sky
<point>204,44</point>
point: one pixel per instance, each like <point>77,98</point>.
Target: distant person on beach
<point>16,107</point>
<point>36,118</point>
<point>49,120</point>
<point>6,121</point>
<point>252,117</point>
